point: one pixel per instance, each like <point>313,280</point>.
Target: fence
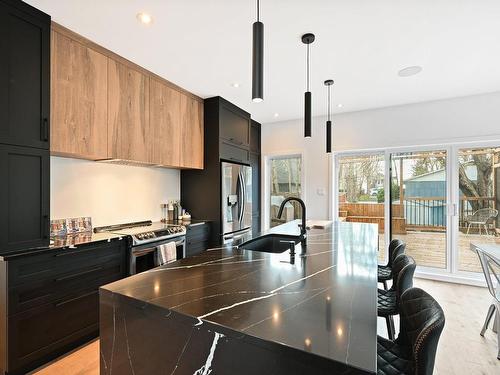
<point>419,213</point>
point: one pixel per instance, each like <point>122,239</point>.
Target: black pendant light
<point>258,59</point>
<point>328,84</point>
<point>307,39</point>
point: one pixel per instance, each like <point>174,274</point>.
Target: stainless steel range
<point>146,236</point>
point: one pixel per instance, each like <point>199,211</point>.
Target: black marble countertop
<point>324,304</point>
<point>77,239</point>
<point>68,241</point>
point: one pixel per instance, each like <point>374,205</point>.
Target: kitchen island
<point>233,311</point>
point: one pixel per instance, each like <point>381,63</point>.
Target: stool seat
<point>393,359</point>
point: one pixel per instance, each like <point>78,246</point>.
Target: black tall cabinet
<point>255,163</point>
<point>229,136</point>
<point>24,126</point>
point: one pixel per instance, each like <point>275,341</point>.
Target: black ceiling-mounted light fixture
<point>307,39</point>
<point>258,59</point>
<point>328,84</point>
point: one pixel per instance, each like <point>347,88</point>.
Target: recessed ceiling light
<point>144,18</point>
<point>235,84</point>
<point>276,115</point>
<point>340,105</point>
<point>410,71</point>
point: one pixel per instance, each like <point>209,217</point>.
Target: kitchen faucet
<point>303,230</point>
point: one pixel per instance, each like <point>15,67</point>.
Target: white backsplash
<point>109,193</point>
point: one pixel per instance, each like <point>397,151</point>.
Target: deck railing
<point>420,213</point>
<point>430,212</point>
<point>425,212</point>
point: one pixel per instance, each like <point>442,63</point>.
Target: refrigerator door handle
<point>240,199</point>
<point>244,196</point>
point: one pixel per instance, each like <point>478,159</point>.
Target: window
<point>285,179</point>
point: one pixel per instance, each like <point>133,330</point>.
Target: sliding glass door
<point>361,193</point>
<point>440,200</point>
<point>478,171</point>
<point>419,205</point>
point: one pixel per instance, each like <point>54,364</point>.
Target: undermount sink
<point>270,243</point>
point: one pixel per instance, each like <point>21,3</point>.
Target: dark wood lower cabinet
<point>197,238</point>
<point>52,301</point>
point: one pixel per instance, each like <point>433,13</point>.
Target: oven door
<point>145,257</point>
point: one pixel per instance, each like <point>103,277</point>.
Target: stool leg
<point>393,330</point>
<point>385,285</point>
<point>497,317</point>
<point>390,327</point>
<point>491,310</point>
<point>388,323</point>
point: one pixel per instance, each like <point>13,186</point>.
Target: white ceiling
<point>205,45</point>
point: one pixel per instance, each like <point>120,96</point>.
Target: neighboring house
<point>420,211</point>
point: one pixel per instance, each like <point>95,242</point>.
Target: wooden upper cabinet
<point>106,107</point>
<point>129,131</point>
<point>165,117</point>
<point>192,133</point>
<point>79,109</point>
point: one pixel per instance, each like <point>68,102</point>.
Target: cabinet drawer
<point>197,231</point>
<point>234,153</point>
<point>196,248</point>
<point>63,262</point>
<point>44,330</point>
<point>36,293</point>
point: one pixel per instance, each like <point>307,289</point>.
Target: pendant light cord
<point>329,100</point>
<point>308,67</point>
<point>258,11</point>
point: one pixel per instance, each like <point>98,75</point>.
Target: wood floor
<point>461,349</point>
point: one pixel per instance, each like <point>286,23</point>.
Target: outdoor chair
<point>491,270</point>
<point>414,351</point>
<point>481,218</point>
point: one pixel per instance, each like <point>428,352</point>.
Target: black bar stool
<point>396,248</point>
<point>414,352</point>
<point>388,300</point>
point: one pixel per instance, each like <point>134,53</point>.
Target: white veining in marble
<point>272,293</point>
<point>205,369</point>
<point>128,346</point>
<point>161,269</point>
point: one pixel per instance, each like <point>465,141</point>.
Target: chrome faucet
<point>303,230</point>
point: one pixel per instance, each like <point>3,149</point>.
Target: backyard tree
<point>482,186</point>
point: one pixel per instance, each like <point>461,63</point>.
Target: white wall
<point>445,121</point>
<point>109,193</point>
<point>288,137</point>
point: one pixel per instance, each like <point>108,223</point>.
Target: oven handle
<point>149,249</point>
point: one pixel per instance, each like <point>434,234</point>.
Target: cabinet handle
<point>235,141</point>
<point>69,277</point>
<point>45,130</point>
<point>75,298</point>
<point>76,252</point>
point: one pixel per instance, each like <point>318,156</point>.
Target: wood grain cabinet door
<point>165,117</point>
<point>129,132</point>
<point>79,99</point>
<point>192,133</point>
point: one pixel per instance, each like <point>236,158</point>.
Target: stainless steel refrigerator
<point>236,202</point>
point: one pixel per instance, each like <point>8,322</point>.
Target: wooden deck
<point>429,249</point>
